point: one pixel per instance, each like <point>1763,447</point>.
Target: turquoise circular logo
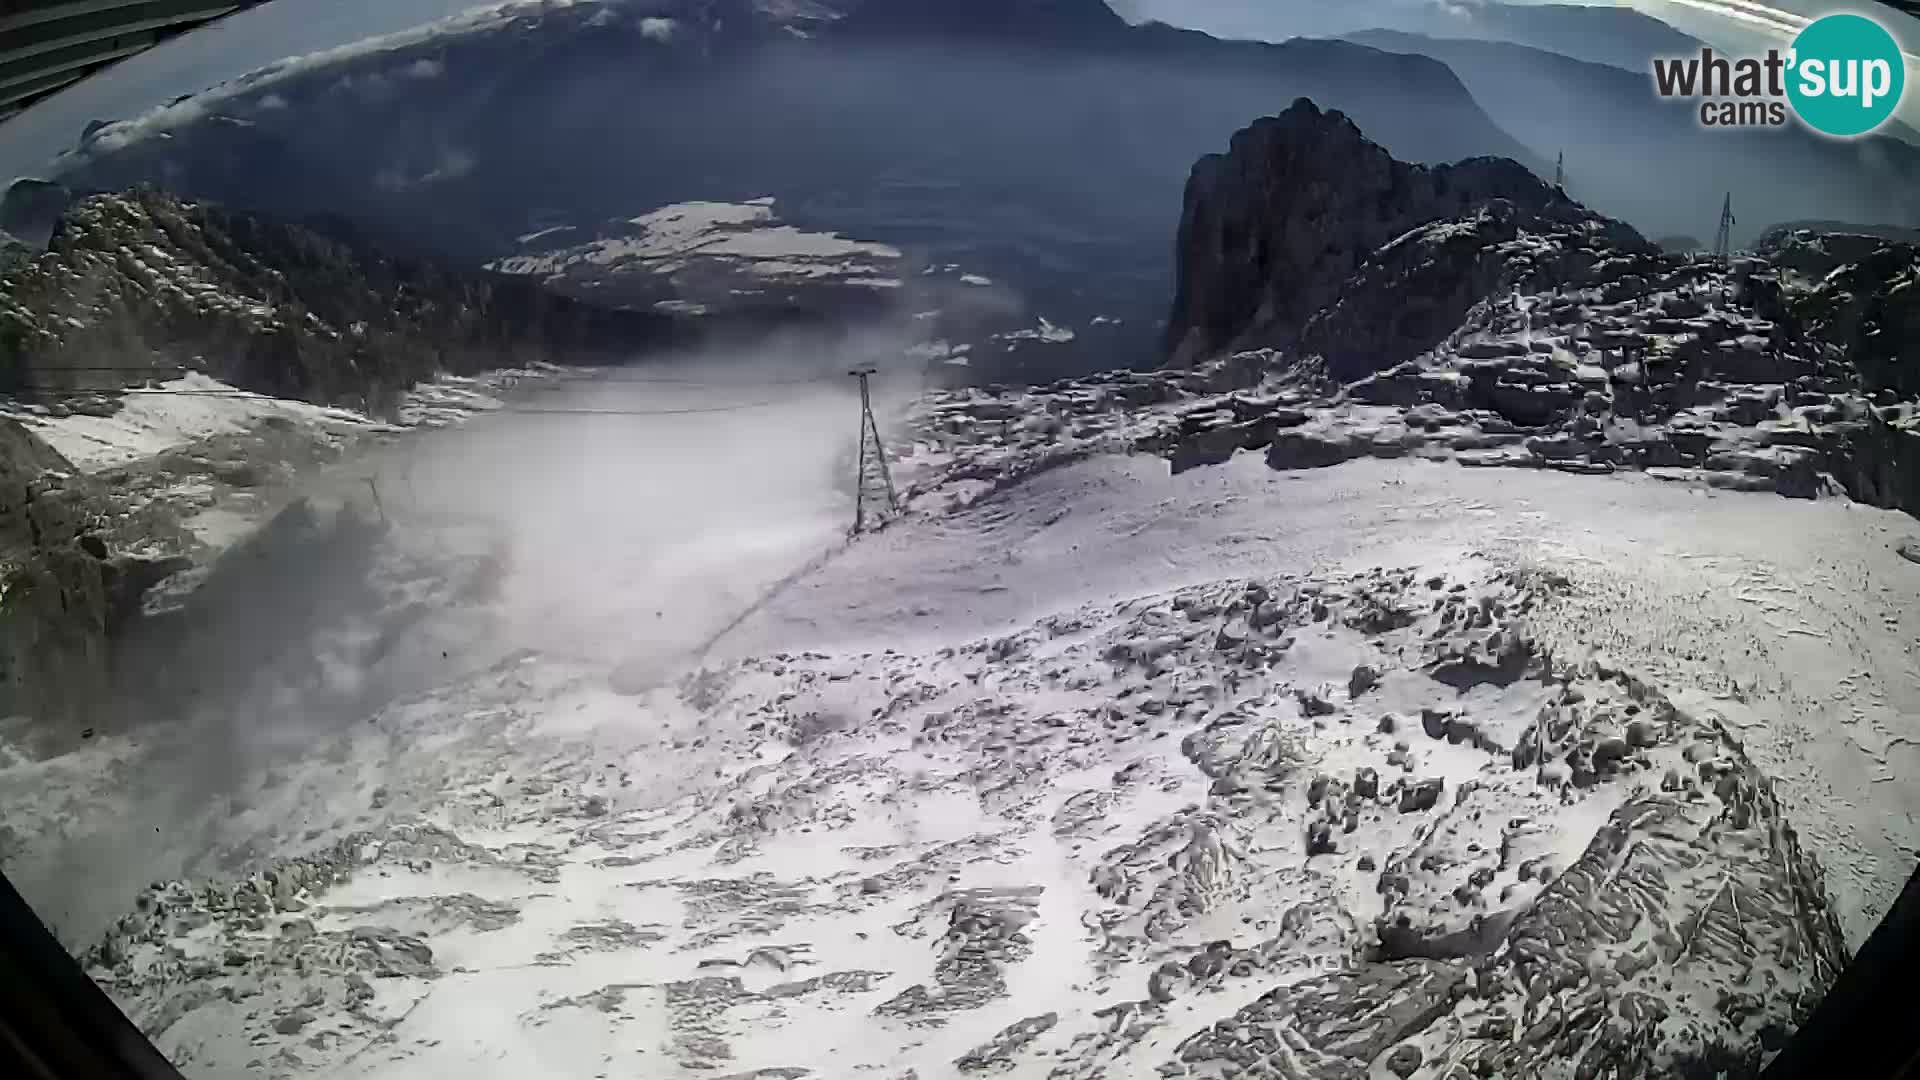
<point>1847,75</point>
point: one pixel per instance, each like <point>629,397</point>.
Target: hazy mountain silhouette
<point>1615,35</point>
<point>1632,155</point>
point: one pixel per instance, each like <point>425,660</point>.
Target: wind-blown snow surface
<point>1236,771</point>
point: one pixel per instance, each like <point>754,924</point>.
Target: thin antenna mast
<point>1723,240</point>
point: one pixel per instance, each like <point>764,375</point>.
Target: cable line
<point>519,409</point>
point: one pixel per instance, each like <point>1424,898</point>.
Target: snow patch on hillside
<point>169,414</point>
<point>703,238</point>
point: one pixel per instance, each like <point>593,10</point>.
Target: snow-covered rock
<point>1122,839</point>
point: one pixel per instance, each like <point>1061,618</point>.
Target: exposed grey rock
<point>14,252</point>
<point>1366,784</point>
<point>1421,796</point>
<point>1330,1026</point>
<point>1002,1049</point>
<point>293,1022</point>
<point>1320,839</point>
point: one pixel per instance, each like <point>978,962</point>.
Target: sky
<point>284,28</point>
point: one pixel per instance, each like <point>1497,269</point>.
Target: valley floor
<point>1393,765</point>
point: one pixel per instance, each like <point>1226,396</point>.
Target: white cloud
<point>477,20</point>
<point>658,29</point>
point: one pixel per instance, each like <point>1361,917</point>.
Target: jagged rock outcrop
<point>30,208</point>
<point>1775,235</point>
<point>1860,302</point>
<point>1273,230</point>
<point>14,252</point>
<point>142,284</point>
<point>66,582</point>
<point>1813,254</point>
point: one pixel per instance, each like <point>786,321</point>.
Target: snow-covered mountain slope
<point>1388,765</point>
<point>1115,771</point>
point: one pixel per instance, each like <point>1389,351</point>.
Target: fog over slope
<point>616,523</point>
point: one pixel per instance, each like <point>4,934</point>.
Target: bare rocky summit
<point>1273,229</point>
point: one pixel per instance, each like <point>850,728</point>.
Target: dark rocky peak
<point>1859,297</point>
<point>1010,19</point>
<point>1273,230</point>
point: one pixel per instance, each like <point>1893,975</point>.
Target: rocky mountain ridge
<point>144,284</point>
<point>1504,336</point>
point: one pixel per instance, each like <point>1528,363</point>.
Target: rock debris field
<point>1321,823</point>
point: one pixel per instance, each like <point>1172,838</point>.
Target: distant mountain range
<point>1597,33</point>
<point>1635,156</point>
<point>1043,145</point>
